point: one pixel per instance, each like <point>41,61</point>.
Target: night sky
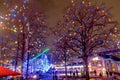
<point>54,8</point>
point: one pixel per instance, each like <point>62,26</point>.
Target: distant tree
<point>86,29</point>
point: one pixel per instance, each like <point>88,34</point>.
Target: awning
<point>6,72</point>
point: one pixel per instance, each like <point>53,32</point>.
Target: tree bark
<point>65,67</point>
<point>27,70</point>
<point>16,60</point>
<point>86,68</point>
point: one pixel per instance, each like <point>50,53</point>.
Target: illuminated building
<point>100,64</point>
<point>112,65</point>
<point>97,63</point>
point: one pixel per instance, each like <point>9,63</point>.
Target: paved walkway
<point>90,79</point>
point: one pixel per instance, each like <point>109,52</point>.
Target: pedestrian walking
<point>70,73</point>
<point>100,74</point>
<point>73,74</point>
<point>77,73</point>
<point>110,73</point>
<point>55,77</point>
<point>107,73</point>
<point>95,72</point>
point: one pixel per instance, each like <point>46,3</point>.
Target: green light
<point>39,54</point>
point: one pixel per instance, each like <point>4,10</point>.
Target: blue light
<point>12,10</point>
<point>81,5</point>
<point>73,16</point>
<point>102,6</point>
<point>76,41</point>
<point>26,1</point>
<point>41,64</point>
<point>13,15</point>
<point>78,31</point>
<point>3,17</point>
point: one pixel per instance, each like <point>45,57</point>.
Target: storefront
<point>111,65</point>
<point>96,65</point>
<point>118,66</point>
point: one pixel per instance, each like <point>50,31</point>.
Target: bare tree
<point>86,29</point>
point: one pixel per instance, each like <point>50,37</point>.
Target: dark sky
<point>54,8</point>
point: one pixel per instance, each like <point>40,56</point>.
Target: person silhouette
<point>77,73</point>
<point>73,74</point>
<point>100,74</point>
<point>56,77</point>
<point>107,73</point>
<point>70,72</point>
<point>95,72</point>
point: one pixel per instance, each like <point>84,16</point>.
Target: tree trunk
<point>23,49</point>
<point>27,70</point>
<point>86,68</point>
<point>65,67</point>
<point>65,70</point>
<point>28,56</point>
<point>16,61</point>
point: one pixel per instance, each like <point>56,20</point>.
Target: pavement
<point>116,76</point>
<point>100,78</point>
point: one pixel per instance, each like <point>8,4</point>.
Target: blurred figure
<point>110,73</point>
<point>107,73</point>
<point>100,74</point>
<point>95,72</point>
<point>55,77</point>
<point>73,74</point>
<point>70,72</point>
<point>77,73</point>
